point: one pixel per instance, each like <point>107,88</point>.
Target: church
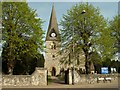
<point>53,46</point>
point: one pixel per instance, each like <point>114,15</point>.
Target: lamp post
<point>73,69</point>
<point>83,12</point>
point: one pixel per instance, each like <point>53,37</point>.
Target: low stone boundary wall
<point>93,77</point>
<point>38,78</point>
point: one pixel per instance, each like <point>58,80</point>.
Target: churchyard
<point>84,53</point>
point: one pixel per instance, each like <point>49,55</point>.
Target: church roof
<point>53,25</point>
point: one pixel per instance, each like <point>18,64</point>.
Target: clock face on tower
<point>53,34</point>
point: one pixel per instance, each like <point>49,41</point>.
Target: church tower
<point>52,46</point>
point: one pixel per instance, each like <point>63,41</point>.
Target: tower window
<point>53,45</point>
<point>53,56</point>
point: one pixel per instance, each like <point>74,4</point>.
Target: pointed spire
<point>53,4</point>
<point>52,24</point>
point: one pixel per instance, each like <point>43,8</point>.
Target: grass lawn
<point>49,79</point>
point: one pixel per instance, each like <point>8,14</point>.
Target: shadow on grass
<point>55,80</point>
<point>49,79</point>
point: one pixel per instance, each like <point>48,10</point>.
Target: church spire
<point>53,26</point>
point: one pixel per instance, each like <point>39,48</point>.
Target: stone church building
<point>52,46</point>
<point>53,43</point>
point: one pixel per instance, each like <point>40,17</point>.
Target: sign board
<point>113,70</point>
<point>104,70</point>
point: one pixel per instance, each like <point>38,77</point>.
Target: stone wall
<point>38,78</point>
<point>91,78</point>
<point>51,61</point>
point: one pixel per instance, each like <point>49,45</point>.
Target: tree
<point>115,28</point>
<point>22,32</point>
<point>87,32</point>
<point>116,31</point>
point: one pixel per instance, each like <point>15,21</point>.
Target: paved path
<point>55,81</point>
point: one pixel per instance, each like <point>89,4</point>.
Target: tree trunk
<point>10,67</point>
<point>10,71</point>
<point>87,64</point>
<point>92,68</point>
<point>10,64</point>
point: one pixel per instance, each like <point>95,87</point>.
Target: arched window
<point>53,45</point>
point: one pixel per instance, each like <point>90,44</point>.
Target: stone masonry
<point>38,78</point>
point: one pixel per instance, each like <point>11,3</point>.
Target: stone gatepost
<point>73,77</point>
<point>70,77</point>
<point>39,77</point>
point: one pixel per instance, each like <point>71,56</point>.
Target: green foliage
<point>106,44</point>
<point>40,60</point>
<point>115,28</point>
<point>96,58</point>
<point>0,9</point>
<point>21,30</point>
<point>87,32</point>
<point>49,79</point>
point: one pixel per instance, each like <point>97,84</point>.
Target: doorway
<point>53,71</point>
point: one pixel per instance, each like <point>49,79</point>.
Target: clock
<point>53,34</point>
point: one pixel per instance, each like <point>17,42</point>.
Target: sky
<point>71,0</point>
<point>108,8</point>
<point>43,9</point>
